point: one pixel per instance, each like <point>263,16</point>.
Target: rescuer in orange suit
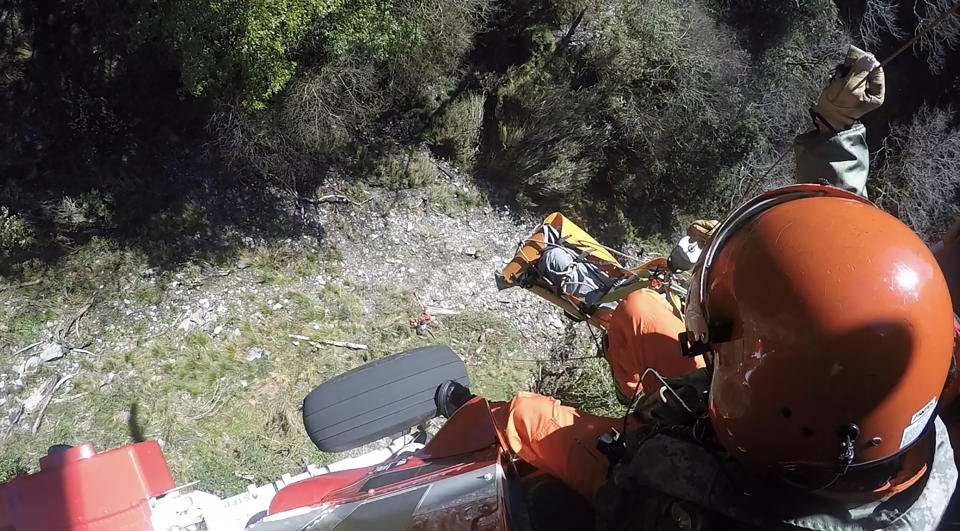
<point>828,339</point>
<point>828,334</point>
<point>643,334</point>
<point>561,440</point>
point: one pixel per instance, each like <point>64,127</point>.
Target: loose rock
<point>52,351</point>
<point>30,366</point>
<point>254,353</point>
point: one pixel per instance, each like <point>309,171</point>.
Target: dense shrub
<point>371,74</point>
<point>637,121</point>
<point>326,109</point>
<point>919,181</point>
<point>456,132</point>
<point>239,46</point>
<point>249,49</point>
<point>93,208</point>
<point>15,232</point>
<point>627,114</point>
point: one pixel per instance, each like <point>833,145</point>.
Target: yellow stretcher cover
<point>530,249</point>
<point>625,281</point>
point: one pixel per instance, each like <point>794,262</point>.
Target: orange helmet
<point>830,328</point>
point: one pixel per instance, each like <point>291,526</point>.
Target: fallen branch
<point>21,285</point>
<point>75,322</point>
<point>342,344</point>
<point>177,320</point>
<point>329,342</point>
<point>13,424</point>
<point>446,172</point>
<point>70,398</point>
<point>28,347</point>
<point>332,198</point>
<point>46,401</point>
<point>420,302</point>
<point>215,272</point>
<point>438,311</point>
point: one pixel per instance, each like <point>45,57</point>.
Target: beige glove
<point>702,230</point>
<point>856,89</point>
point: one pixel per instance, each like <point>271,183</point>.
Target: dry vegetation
<point>138,136</point>
<point>920,178</point>
<point>209,357</point>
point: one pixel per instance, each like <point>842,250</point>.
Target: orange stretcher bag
<point>563,264</point>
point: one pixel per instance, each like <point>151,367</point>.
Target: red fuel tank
<point>80,489</point>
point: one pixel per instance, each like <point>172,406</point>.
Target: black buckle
<point>692,349</point>
<point>612,445</point>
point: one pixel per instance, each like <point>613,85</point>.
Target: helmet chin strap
<point>847,451</point>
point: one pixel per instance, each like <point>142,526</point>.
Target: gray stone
<point>254,353</point>
<point>52,351</point>
<point>30,365</point>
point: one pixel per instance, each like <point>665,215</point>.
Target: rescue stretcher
<point>593,281</point>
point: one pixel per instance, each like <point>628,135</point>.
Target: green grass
<point>454,202</point>
<point>97,271</point>
<point>403,168</point>
<point>457,131</point>
<point>578,378</point>
<point>490,346</point>
<point>223,420</point>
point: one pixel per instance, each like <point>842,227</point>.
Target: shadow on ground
<point>172,202</point>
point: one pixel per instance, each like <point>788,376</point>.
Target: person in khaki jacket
<point>812,368</point>
<point>835,150</point>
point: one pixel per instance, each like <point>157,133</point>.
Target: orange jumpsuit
<point>563,441</point>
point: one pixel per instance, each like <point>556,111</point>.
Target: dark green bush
<point>456,132</point>
<point>401,168</point>
<point>15,233</point>
<point>919,180</point>
<point>635,123</point>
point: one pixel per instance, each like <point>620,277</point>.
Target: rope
<point>597,245</point>
<point>759,180</point>
<point>946,14</point>
<point>556,360</point>
<point>933,25</point>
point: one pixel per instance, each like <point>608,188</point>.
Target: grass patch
<point>578,379</point>
<point>455,201</point>
<point>15,233</point>
<point>457,132</point>
<point>490,346</point>
<point>401,169</point>
<point>282,263</point>
<point>224,405</point>
<point>94,272</point>
<point>584,384</point>
<point>93,208</point>
<point>11,465</point>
